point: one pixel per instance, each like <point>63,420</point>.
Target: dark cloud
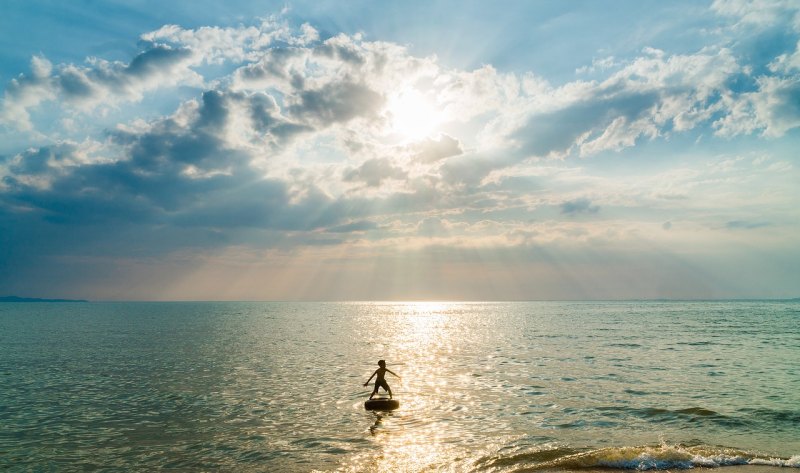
<point>342,50</point>
<point>263,109</point>
<point>745,225</point>
<point>214,111</point>
<point>275,63</point>
<point>176,172</point>
<point>158,60</point>
<point>558,131</point>
<point>578,206</point>
<point>75,84</point>
<point>374,171</point>
<point>37,161</point>
<point>113,81</point>
<point>267,120</point>
<point>555,132</point>
<point>336,102</point>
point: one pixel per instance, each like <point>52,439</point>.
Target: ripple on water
<point>279,386</point>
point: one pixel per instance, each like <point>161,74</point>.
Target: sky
<point>408,150</point>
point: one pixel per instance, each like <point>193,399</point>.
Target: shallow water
<point>485,386</point>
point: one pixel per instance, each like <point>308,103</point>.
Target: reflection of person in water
<point>377,425</point>
<point>380,381</point>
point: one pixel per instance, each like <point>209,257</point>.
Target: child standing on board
<point>380,381</point>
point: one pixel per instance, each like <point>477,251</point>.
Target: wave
<point>641,458</point>
<point>772,420</point>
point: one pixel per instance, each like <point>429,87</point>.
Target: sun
<point>412,115</point>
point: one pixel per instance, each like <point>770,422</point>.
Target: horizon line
<point>398,301</point>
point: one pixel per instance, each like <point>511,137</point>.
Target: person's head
<point>382,363</point>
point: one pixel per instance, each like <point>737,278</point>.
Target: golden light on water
<point>425,339</point>
<point>424,321</point>
<point>422,338</point>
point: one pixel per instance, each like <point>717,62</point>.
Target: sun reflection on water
<point>403,445</point>
<point>418,340</point>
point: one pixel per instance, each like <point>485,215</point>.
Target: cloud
<point>650,96</point>
<point>558,131</point>
<point>216,45</point>
<point>774,109</point>
<point>280,138</point>
<point>431,150</point>
<point>579,206</point>
<point>336,102</point>
<point>745,225</point>
<point>598,65</point>
<point>193,168</point>
<point>39,161</point>
<point>470,169</point>
<point>466,95</point>
<point>759,12</point>
<point>25,92</point>
<point>374,171</point>
<point>170,58</point>
<point>357,226</point>
<point>432,227</point>
<point>100,83</point>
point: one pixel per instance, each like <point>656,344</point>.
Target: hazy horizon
<point>394,301</point>
<point>400,151</point>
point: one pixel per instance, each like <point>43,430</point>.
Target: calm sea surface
<point>485,386</point>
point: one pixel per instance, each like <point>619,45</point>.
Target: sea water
<point>484,386</point>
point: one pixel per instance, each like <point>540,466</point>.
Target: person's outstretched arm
<point>370,378</point>
<point>390,371</point>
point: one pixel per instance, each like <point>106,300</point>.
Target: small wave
<point>641,458</point>
<point>546,455</point>
<point>690,414</point>
<point>652,458</point>
<point>774,416</point>
<point>793,462</point>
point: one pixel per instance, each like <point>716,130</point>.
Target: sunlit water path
<point>485,386</point>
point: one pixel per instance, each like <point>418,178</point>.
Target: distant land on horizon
<point>36,299</point>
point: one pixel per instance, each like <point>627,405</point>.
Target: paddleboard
<point>381,404</point>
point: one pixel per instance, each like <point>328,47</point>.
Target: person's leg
<point>374,391</point>
<point>386,388</point>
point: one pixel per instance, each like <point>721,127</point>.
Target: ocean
<point>517,386</point>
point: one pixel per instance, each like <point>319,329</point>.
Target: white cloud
<point>431,150</point>
<point>598,65</point>
<point>764,13</point>
<point>787,63</point>
<point>774,109</point>
<point>652,95</point>
<point>101,83</point>
<point>27,92</point>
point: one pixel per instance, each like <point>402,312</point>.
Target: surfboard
<point>381,404</point>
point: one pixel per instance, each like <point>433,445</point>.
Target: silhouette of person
<point>380,381</point>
